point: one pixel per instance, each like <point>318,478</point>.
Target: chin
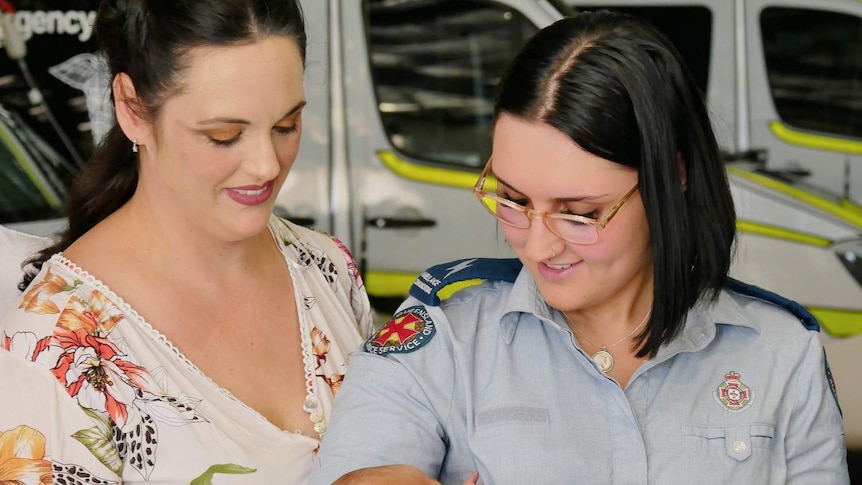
<point>246,226</point>
<point>559,296</point>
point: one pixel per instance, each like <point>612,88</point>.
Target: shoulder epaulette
<point>437,277</point>
<point>798,311</point>
<point>804,316</point>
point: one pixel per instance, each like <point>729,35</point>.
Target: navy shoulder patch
<point>831,381</point>
<point>435,278</point>
<point>408,330</point>
<point>799,311</point>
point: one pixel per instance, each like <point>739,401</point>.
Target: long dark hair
<point>620,90</point>
<point>149,40</point>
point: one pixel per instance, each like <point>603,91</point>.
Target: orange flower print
<point>97,314</point>
<point>319,345</point>
<point>334,382</point>
<point>92,370</point>
<point>37,299</point>
<point>22,457</point>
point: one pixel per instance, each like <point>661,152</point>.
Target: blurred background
<point>398,126</point>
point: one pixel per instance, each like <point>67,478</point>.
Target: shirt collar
<point>698,331</point>
<point>701,322</point>
<point>523,298</point>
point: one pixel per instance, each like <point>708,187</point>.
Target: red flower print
<point>92,370</point>
<point>351,263</point>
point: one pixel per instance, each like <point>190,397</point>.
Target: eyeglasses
<point>568,227</point>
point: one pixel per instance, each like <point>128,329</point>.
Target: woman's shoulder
<point>775,321</point>
<point>462,281</point>
<point>465,294</point>
<point>306,241</point>
<point>62,295</point>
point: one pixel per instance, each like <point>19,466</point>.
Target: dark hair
<point>149,41</point>
<point>620,90</point>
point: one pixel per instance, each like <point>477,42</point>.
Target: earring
<point>553,253</point>
<point>135,145</point>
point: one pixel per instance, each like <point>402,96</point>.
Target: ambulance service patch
<point>732,394</point>
<point>407,331</point>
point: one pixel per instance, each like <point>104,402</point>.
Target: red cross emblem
<point>399,330</point>
<point>733,394</point>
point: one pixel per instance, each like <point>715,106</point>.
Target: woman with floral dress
<point>178,332</point>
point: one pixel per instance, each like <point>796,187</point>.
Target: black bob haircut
<point>620,90</point>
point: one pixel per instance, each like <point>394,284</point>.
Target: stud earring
<point>135,145</point>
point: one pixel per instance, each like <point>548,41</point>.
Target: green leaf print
<point>98,440</point>
<point>74,285</point>
<point>228,468</point>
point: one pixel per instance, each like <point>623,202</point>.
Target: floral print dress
<point>90,393</point>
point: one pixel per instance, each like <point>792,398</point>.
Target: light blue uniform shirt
<point>497,383</point>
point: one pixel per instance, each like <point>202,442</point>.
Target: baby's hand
<point>388,475</point>
<point>473,479</point>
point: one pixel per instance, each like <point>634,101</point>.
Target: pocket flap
<point>737,441</point>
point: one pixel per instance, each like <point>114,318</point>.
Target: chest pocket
<point>737,441</point>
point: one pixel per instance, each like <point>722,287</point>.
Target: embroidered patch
<point>407,331</point>
<point>732,394</point>
<point>831,382</point>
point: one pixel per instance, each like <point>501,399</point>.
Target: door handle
<point>756,155</point>
<point>399,223</point>
<point>302,221</point>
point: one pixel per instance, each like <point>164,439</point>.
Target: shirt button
<point>740,446</point>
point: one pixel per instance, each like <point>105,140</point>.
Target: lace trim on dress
<point>309,360</point>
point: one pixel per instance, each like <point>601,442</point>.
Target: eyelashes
<point>593,214</point>
<point>228,142</point>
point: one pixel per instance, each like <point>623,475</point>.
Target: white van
<point>397,128</point>
<point>408,86</point>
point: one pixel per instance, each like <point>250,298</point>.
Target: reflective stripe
<point>837,322</point>
<point>842,209</point>
<point>391,284</point>
<point>776,232</point>
<point>387,284</point>
<point>27,164</point>
<point>810,140</point>
<point>433,175</point>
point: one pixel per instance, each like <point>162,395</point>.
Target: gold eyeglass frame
<point>531,214</point>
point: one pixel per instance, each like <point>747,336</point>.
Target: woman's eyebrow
<point>241,121</point>
<point>582,198</point>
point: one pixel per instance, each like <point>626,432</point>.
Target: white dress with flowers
<point>90,393</point>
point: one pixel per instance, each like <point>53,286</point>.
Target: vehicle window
<point>689,28</point>
<point>44,122</point>
<point>33,176</point>
<point>435,65</point>
<point>814,66</point>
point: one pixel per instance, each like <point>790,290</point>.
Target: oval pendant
<point>604,359</point>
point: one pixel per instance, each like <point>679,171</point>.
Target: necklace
<point>602,357</point>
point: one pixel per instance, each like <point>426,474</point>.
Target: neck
<point>180,248</point>
<point>621,315</point>
<point>608,345</point>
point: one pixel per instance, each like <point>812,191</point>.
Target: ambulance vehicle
<point>397,128</point>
